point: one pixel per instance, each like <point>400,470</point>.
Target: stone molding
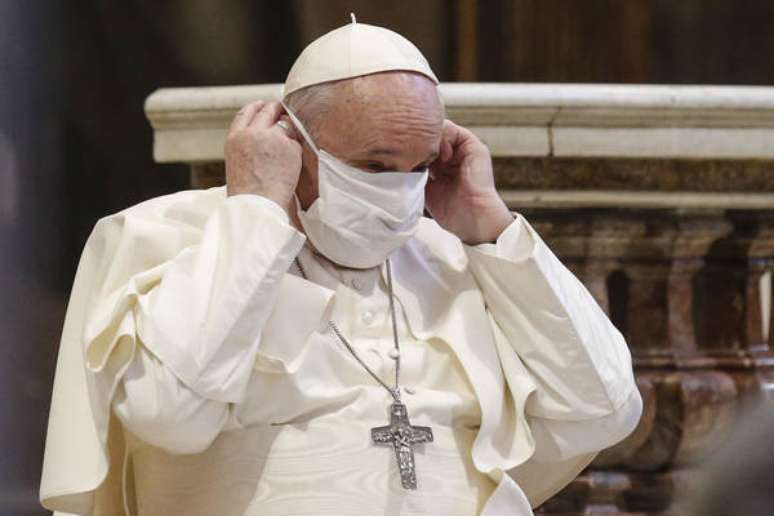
<point>641,200</point>
<point>524,120</point>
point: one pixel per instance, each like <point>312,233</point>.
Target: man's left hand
<point>461,193</point>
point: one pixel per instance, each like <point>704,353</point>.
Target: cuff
<point>557,440</point>
<point>516,243</point>
<point>271,208</point>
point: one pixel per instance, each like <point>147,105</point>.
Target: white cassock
<point>189,318</point>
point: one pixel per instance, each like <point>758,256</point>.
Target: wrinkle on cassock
<point>199,280</point>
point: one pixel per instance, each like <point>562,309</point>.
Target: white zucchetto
<point>351,51</point>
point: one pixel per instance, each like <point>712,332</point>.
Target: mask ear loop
<point>300,128</point>
<point>308,139</point>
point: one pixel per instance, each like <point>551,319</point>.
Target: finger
<point>268,116</point>
<point>462,141</point>
<point>450,140</point>
<point>457,134</point>
<point>286,126</point>
<point>447,151</point>
<point>285,118</point>
<point>245,115</point>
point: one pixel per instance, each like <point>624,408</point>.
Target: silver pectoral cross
<point>402,436</point>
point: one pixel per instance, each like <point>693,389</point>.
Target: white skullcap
<point>351,51</point>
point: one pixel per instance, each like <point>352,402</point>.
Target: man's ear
<point>307,188</point>
<point>308,162</point>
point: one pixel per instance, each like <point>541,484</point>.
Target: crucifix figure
<point>402,436</point>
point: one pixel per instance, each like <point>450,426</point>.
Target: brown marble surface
<point>634,174</point>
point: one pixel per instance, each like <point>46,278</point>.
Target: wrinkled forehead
<point>370,93</point>
<point>399,109</point>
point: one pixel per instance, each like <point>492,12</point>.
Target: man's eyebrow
<point>381,152</point>
<point>392,152</point>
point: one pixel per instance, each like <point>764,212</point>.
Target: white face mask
<point>359,217</point>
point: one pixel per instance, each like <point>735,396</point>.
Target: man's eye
<point>375,167</point>
<point>426,165</point>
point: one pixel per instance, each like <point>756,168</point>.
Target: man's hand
<point>262,158</point>
<point>461,193</point>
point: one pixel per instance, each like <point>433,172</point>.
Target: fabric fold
<point>128,256</point>
<point>544,362</point>
<point>579,359</point>
<point>541,359</point>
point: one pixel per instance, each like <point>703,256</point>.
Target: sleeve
<point>158,408</point>
<point>586,397</point>
<point>201,312</point>
<point>204,319</point>
<point>187,279</point>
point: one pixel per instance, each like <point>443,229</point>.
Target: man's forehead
<point>392,84</point>
<point>361,99</point>
<point>385,117</point>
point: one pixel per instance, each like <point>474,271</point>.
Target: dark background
<point>75,145</point>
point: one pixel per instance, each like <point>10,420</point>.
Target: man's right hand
<point>261,157</point>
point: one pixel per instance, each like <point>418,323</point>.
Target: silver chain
<point>394,391</point>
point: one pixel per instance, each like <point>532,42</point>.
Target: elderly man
<point>304,341</point>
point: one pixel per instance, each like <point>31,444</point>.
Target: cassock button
<point>368,317</point>
<point>393,354</point>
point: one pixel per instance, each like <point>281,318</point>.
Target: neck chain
<point>400,433</point>
<point>393,391</point>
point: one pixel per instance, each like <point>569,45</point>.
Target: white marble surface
<point>566,120</point>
